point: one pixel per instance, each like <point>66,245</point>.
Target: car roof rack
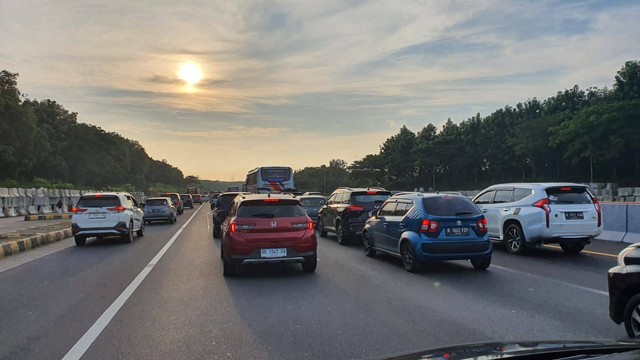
<point>449,193</point>
<point>409,193</point>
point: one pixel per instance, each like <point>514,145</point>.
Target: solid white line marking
<point>563,283</point>
<point>91,335</point>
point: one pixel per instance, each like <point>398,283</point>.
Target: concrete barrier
<point>14,201</point>
<point>614,222</point>
<point>633,223</point>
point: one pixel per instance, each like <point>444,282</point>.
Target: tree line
<point>43,143</point>
<point>590,135</point>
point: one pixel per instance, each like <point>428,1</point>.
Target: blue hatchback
<point>421,227</point>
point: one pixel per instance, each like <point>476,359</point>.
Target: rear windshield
<point>568,195</point>
<point>370,198</point>
<point>450,206</point>
<point>98,201</point>
<point>173,197</point>
<point>186,197</point>
<point>269,210</point>
<point>224,201</point>
<point>312,202</point>
<point>156,202</point>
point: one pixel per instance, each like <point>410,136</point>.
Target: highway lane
<point>352,307</point>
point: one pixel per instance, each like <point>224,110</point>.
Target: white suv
<point>524,215</point>
<point>106,214</point>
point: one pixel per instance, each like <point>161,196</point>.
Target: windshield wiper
<point>462,213</point>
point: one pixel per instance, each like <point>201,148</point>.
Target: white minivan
<point>523,215</point>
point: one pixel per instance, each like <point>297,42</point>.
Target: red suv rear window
<point>271,209</point>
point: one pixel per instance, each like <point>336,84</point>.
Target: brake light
<point>598,210</point>
<point>481,225</point>
<point>372,192</point>
<point>117,209</point>
<point>76,210</point>
<point>271,200</point>
<point>565,189</point>
<point>544,205</point>
<point>98,195</point>
<point>429,226</point>
<point>305,225</point>
<point>354,208</point>
<point>233,227</point>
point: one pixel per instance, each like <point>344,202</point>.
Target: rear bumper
<point>455,250</point>
<point>120,228</point>
<point>544,235</point>
<point>255,258</point>
<point>158,216</point>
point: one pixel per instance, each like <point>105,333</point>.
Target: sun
<point>190,73</point>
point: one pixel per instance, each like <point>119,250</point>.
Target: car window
<point>370,197</point>
<point>233,209</point>
<point>450,206</point>
<point>519,194</point>
<point>224,202</point>
<point>272,209</point>
<point>485,198</point>
<point>156,202</point>
<point>402,208</point>
<point>502,196</point>
<point>568,195</point>
<point>387,209</point>
<point>332,199</point>
<point>312,202</point>
<point>339,198</point>
<point>98,201</point>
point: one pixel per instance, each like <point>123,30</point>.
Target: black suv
<point>221,209</point>
<point>348,209</point>
<point>624,290</point>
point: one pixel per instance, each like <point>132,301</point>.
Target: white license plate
<point>97,215</point>
<point>273,253</point>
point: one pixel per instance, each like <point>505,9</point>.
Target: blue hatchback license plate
<point>457,231</point>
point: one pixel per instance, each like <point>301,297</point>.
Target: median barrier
<point>53,196</point>
<point>633,223</point>
<point>14,199</point>
<point>32,208</point>
<point>25,201</point>
<point>42,195</point>
<point>614,222</point>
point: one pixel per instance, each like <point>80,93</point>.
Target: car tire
<point>140,232</point>
<point>514,240</point>
<point>631,325</point>
<point>128,237</point>
<point>342,239</point>
<point>572,248</point>
<point>367,246</point>
<point>321,229</point>
<point>80,240</point>
<point>228,267</point>
<point>310,263</point>
<point>410,261</point>
<point>481,264</point>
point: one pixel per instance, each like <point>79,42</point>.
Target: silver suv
<point>523,215</point>
<point>106,214</point>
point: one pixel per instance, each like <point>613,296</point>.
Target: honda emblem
<point>274,224</point>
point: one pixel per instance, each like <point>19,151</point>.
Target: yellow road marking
<point>585,251</point>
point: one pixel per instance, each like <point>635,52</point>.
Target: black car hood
<point>523,350</point>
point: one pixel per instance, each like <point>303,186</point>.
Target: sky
<point>298,83</point>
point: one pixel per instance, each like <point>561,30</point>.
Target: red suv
<point>267,228</point>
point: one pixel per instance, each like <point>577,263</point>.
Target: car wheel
<point>80,240</point>
<point>310,263</point>
<point>481,264</point>
<point>410,261</point>
<point>572,248</point>
<point>342,239</point>
<point>228,267</point>
<point>632,317</point>
<point>367,245</point>
<point>128,237</point>
<point>321,229</point>
<point>514,239</point>
<point>140,232</point>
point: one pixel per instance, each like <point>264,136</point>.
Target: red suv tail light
<point>544,205</point>
<point>305,225</point>
<point>598,210</point>
<point>481,225</point>
<point>76,210</point>
<point>429,227</point>
<point>117,209</point>
<point>354,208</point>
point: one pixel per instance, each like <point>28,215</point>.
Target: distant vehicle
<point>197,198</point>
<point>312,193</point>
<point>312,204</point>
<point>269,179</point>
<point>523,215</point>
<point>192,190</point>
<point>160,209</point>
<point>418,227</point>
<point>347,210</point>
<point>177,201</point>
<point>624,290</point>
<point>233,188</point>
<point>187,200</point>
<point>106,214</point>
<point>271,228</point>
<point>221,210</point>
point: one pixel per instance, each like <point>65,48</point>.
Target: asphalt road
<point>351,307</point>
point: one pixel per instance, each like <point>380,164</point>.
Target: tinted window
<point>174,197</point>
<point>364,197</point>
<point>98,201</point>
<point>275,174</point>
<point>312,202</point>
<point>387,209</point>
<point>519,194</point>
<point>485,198</point>
<point>224,201</point>
<point>450,206</point>
<point>156,202</point>
<point>402,208</point>
<point>276,209</point>
<point>502,196</point>
<point>568,195</point>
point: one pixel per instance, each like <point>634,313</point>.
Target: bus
<point>269,179</point>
